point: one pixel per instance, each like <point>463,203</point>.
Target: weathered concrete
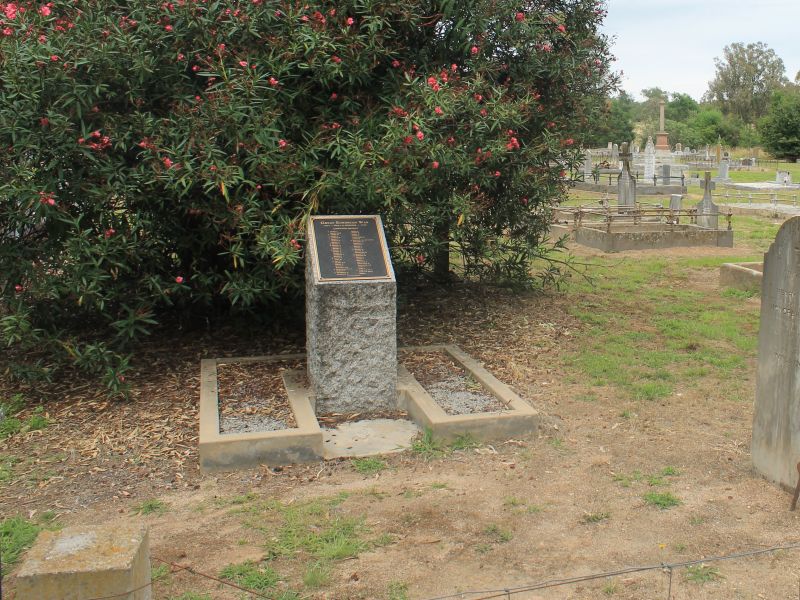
<point>647,237</point>
<point>776,418</point>
<point>244,450</point>
<point>351,342</point>
<point>741,276</point>
<point>368,438</point>
<point>90,561</point>
<point>519,419</point>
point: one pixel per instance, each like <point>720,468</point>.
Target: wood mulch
<point>251,390</point>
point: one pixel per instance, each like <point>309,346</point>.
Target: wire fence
<point>668,569</point>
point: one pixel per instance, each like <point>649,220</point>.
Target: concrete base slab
<point>646,236</point>
<point>309,443</point>
<point>86,562</point>
<point>368,438</point>
<point>768,210</point>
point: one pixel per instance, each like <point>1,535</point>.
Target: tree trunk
<point>441,262</point>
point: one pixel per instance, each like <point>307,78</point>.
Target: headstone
<point>626,182</point>
<point>679,147</point>
<point>665,174</point>
<point>587,166</point>
<point>614,154</point>
<point>351,299</point>
<point>610,145</point>
<point>776,434</point>
<point>708,153</point>
<point>783,177</point>
<point>723,170</point>
<point>707,211</point>
<point>88,561</point>
<point>675,202</point>
<point>649,160</point>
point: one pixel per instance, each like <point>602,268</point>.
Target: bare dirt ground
<point>566,503</point>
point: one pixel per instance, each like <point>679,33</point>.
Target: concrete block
<point>741,276</point>
<point>85,562</point>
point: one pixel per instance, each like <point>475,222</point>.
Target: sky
<point>671,44</point>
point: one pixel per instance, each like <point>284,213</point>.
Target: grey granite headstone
<point>665,174</point>
<point>675,202</point>
<point>614,155</point>
<point>351,313</point>
<point>776,418</point>
<point>649,160</point>
<point>626,182</point>
<point>723,171</point>
<point>587,166</point>
<point>707,211</point>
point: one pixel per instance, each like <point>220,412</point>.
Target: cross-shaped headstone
<point>708,186</point>
<point>625,156</point>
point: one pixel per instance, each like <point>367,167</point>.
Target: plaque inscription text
<point>350,248</point>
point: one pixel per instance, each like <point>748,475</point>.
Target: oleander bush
<point>160,158</point>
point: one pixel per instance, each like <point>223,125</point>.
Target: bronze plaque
<point>350,248</point>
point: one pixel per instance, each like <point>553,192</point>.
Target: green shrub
<point>165,156</point>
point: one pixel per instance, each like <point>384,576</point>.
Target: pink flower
<point>7,31</point>
<point>454,67</point>
<point>438,110</point>
<point>282,144</point>
<point>181,57</point>
<point>478,97</point>
<point>55,58</point>
<point>10,10</point>
<point>484,112</point>
<point>273,82</point>
<point>420,136</point>
<point>474,50</point>
<point>243,63</point>
<point>420,259</point>
<point>195,68</point>
<point>562,29</point>
<point>349,21</point>
<point>44,121</point>
<point>295,244</point>
<point>108,233</point>
<point>524,201</point>
<point>396,63</point>
<point>18,288</point>
<point>497,173</point>
<point>547,47</point>
<point>168,28</point>
<point>568,142</point>
<point>167,161</point>
<point>408,140</point>
<point>336,59</point>
<point>520,16</point>
<point>45,11</point>
<point>179,279</point>
<point>334,96</point>
<point>435,164</point>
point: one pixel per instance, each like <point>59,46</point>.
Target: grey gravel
<point>455,398</point>
<point>250,424</point>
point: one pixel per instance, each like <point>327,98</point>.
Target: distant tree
<point>780,128</point>
<point>745,79</point>
<point>615,124</point>
<point>681,107</point>
<point>648,109</point>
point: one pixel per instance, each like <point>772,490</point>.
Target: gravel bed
<point>450,386</point>
<point>252,397</point>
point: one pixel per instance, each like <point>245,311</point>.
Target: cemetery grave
<point>626,362</point>
<point>634,225</point>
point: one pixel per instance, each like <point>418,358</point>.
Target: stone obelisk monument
<point>662,137</point>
